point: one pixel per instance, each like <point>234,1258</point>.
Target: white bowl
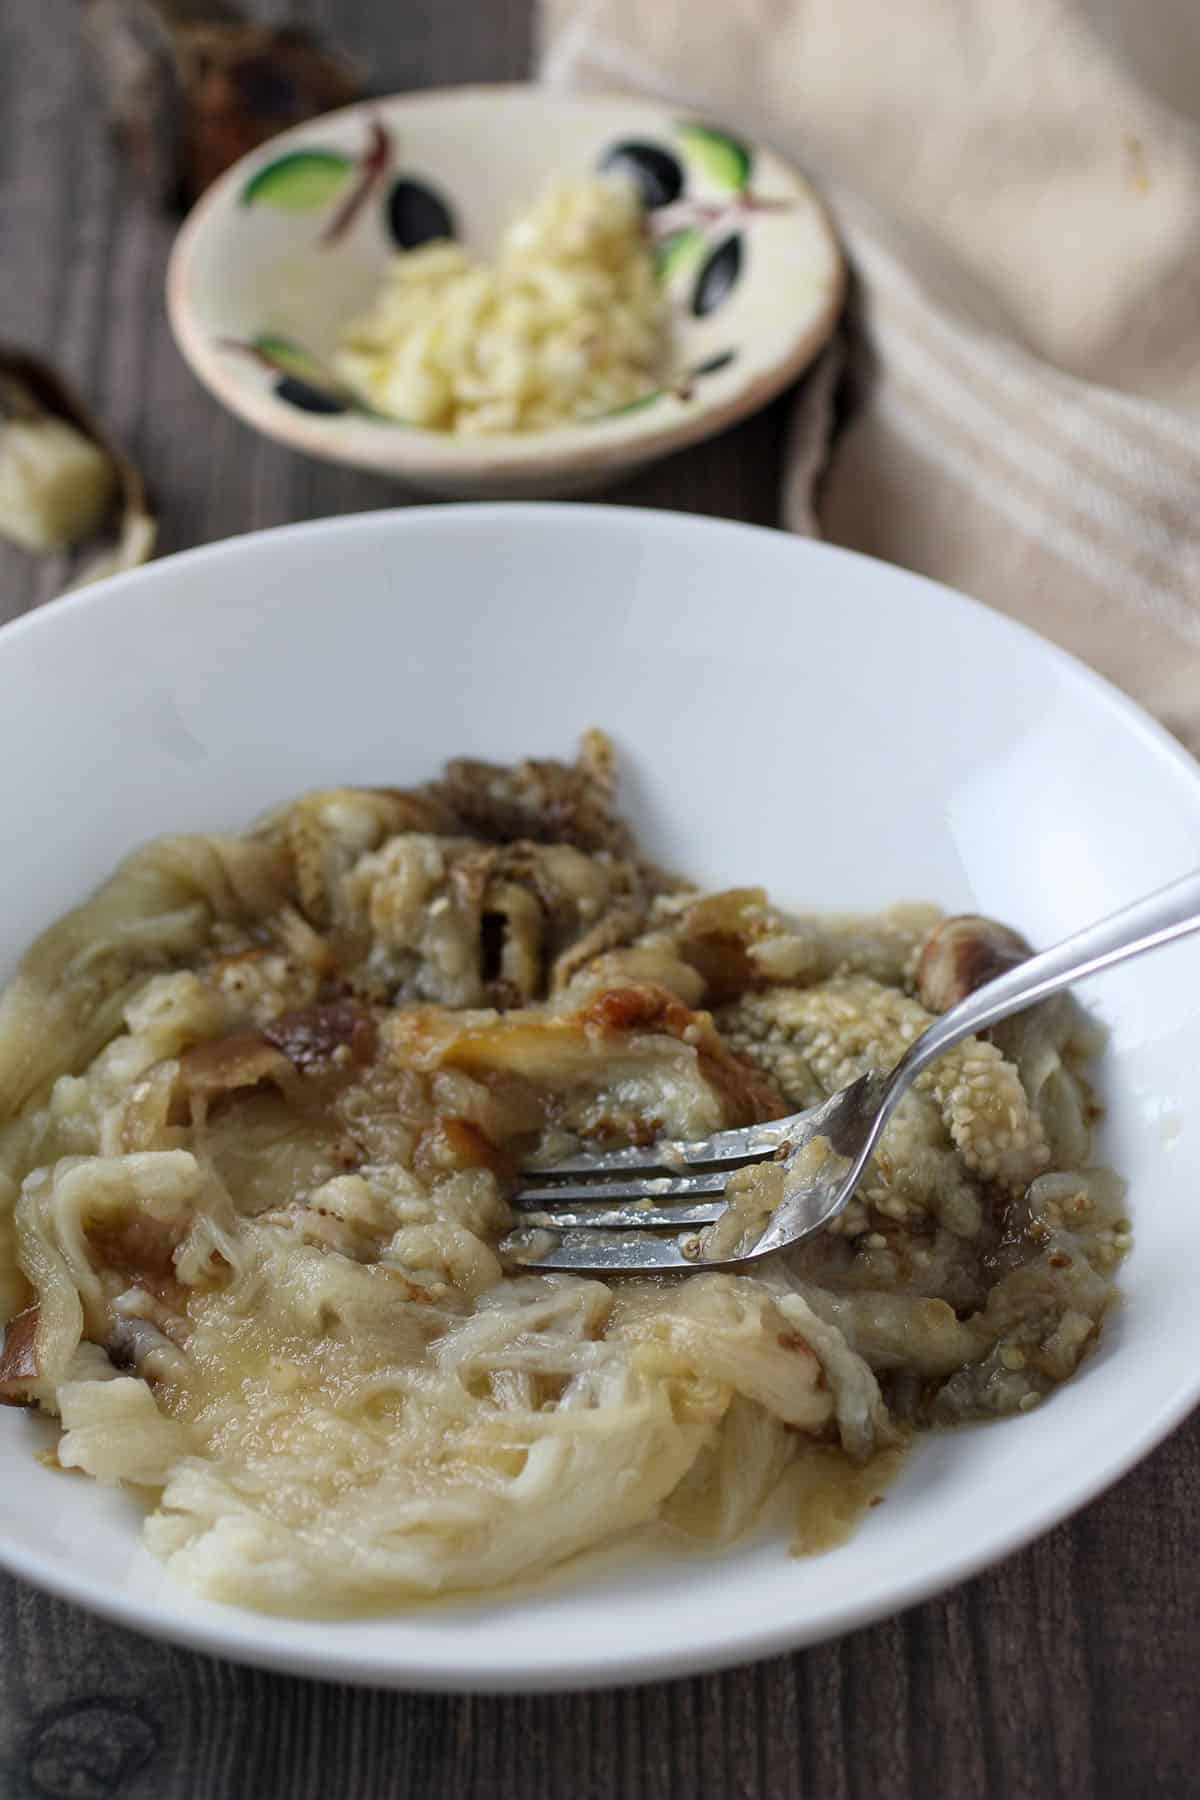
<point>786,713</point>
<point>257,290</point>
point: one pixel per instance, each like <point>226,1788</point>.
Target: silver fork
<point>611,1209</point>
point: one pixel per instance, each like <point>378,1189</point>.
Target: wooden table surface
<point>1070,1670</point>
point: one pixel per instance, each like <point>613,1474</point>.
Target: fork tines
<point>624,1189</point>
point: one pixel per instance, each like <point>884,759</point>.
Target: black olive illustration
<point>656,174</point>
<point>718,276</point>
<point>416,215</point>
<point>710,366</point>
<point>306,397</point>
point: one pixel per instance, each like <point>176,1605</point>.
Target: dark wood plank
<point>1069,1671</point>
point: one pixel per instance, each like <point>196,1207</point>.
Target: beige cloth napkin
<point>1018,186</point>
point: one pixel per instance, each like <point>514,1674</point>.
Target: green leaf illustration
<point>302,181</point>
<point>290,358</point>
<point>725,160</point>
<point>304,380</point>
<point>632,406</point>
<point>678,251</point>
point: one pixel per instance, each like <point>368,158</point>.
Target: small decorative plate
<point>296,237</point>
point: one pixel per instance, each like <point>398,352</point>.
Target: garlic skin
<point>56,485</point>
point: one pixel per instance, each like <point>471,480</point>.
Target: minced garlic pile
<point>568,323</point>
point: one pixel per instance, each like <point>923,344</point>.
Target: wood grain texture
<point>1069,1671</point>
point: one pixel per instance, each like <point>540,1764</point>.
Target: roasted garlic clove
<point>961,954</point>
<point>56,485</point>
<point>60,476</point>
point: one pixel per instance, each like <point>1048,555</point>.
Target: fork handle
<point>1170,912</point>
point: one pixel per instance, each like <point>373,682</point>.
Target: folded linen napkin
<point>1017,375</point>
